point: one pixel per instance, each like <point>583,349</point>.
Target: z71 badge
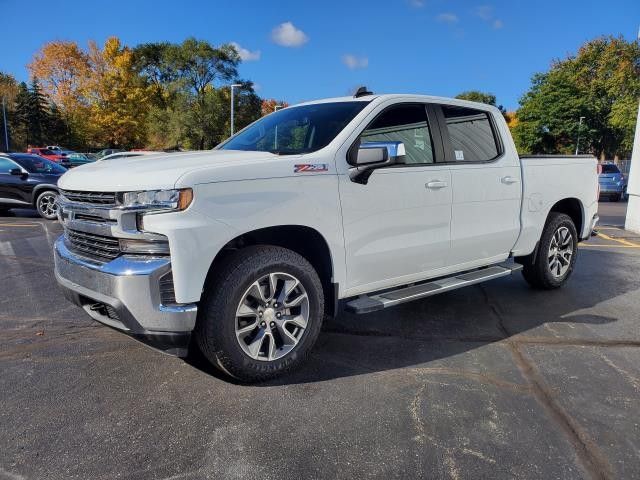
<point>310,167</point>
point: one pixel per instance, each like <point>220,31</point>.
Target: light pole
<point>4,121</point>
<point>233,86</point>
<point>578,141</point>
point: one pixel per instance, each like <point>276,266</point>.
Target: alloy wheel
<point>48,205</point>
<point>272,316</point>
<point>560,252</point>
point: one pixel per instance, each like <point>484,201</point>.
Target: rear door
<point>486,187</point>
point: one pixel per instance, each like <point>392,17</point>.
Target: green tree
<point>156,62</point>
<point>20,130</point>
<point>482,97</point>
<point>37,113</point>
<point>600,83</point>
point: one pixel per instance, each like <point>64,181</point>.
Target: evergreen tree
<point>21,131</point>
<point>56,131</point>
<point>38,117</point>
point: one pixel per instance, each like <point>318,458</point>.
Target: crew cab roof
<point>400,97</point>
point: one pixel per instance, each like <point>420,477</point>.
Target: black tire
<point>537,271</point>
<point>42,207</point>
<point>215,331</point>
<point>615,198</point>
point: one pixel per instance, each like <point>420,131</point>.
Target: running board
<point>366,303</point>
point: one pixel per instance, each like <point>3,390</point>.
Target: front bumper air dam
<point>124,294</point>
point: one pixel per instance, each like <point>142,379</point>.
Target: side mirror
<point>372,155</point>
<point>18,172</point>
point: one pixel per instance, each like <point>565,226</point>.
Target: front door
<point>396,227</point>
<point>11,186</point>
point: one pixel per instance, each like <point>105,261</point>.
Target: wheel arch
<point>38,189</point>
<point>301,239</point>
<point>570,206</point>
<point>573,208</point>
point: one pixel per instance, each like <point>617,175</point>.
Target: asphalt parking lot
<point>491,381</point>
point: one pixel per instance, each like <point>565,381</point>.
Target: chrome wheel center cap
<point>269,315</point>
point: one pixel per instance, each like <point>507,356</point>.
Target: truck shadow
<point>414,334</point>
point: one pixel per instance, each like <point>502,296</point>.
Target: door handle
<point>509,180</point>
<point>436,184</point>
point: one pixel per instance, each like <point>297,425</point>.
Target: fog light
<point>149,247</point>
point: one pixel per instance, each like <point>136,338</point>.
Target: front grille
<point>93,246</point>
<point>95,198</point>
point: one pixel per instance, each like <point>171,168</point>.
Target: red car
<point>48,154</point>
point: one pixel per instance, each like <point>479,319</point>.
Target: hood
<point>163,171</point>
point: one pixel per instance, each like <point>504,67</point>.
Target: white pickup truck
<point>362,202</point>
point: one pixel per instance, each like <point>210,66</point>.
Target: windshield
<point>295,130</point>
<point>35,164</point>
<point>609,168</point>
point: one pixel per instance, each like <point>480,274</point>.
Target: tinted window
<point>471,133</point>
<point>35,164</point>
<point>6,165</point>
<point>295,130</point>
<point>407,124</point>
<point>610,168</point>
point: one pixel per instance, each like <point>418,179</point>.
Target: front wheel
<point>556,256</point>
<point>261,314</point>
<point>47,205</point>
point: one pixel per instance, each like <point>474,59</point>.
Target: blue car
<point>613,183</point>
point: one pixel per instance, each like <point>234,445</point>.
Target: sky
<point>302,50</point>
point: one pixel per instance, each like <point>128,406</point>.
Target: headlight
<point>158,199</point>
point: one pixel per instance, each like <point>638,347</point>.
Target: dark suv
<point>29,181</point>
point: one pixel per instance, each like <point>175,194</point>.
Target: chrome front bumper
<point>125,294</point>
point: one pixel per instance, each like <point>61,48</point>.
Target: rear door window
<point>471,134</point>
<point>610,168</point>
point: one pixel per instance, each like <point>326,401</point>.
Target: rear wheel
<point>261,314</point>
<point>556,255</point>
<point>47,204</point>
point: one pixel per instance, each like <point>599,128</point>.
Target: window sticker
<point>459,154</point>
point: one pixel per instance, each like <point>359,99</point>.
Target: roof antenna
<point>362,92</point>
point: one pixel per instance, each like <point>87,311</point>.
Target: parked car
<point>613,183</point>
<point>132,153</point>
<point>76,159</point>
<point>29,181</point>
<point>48,154</point>
<point>365,202</point>
<point>107,151</point>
